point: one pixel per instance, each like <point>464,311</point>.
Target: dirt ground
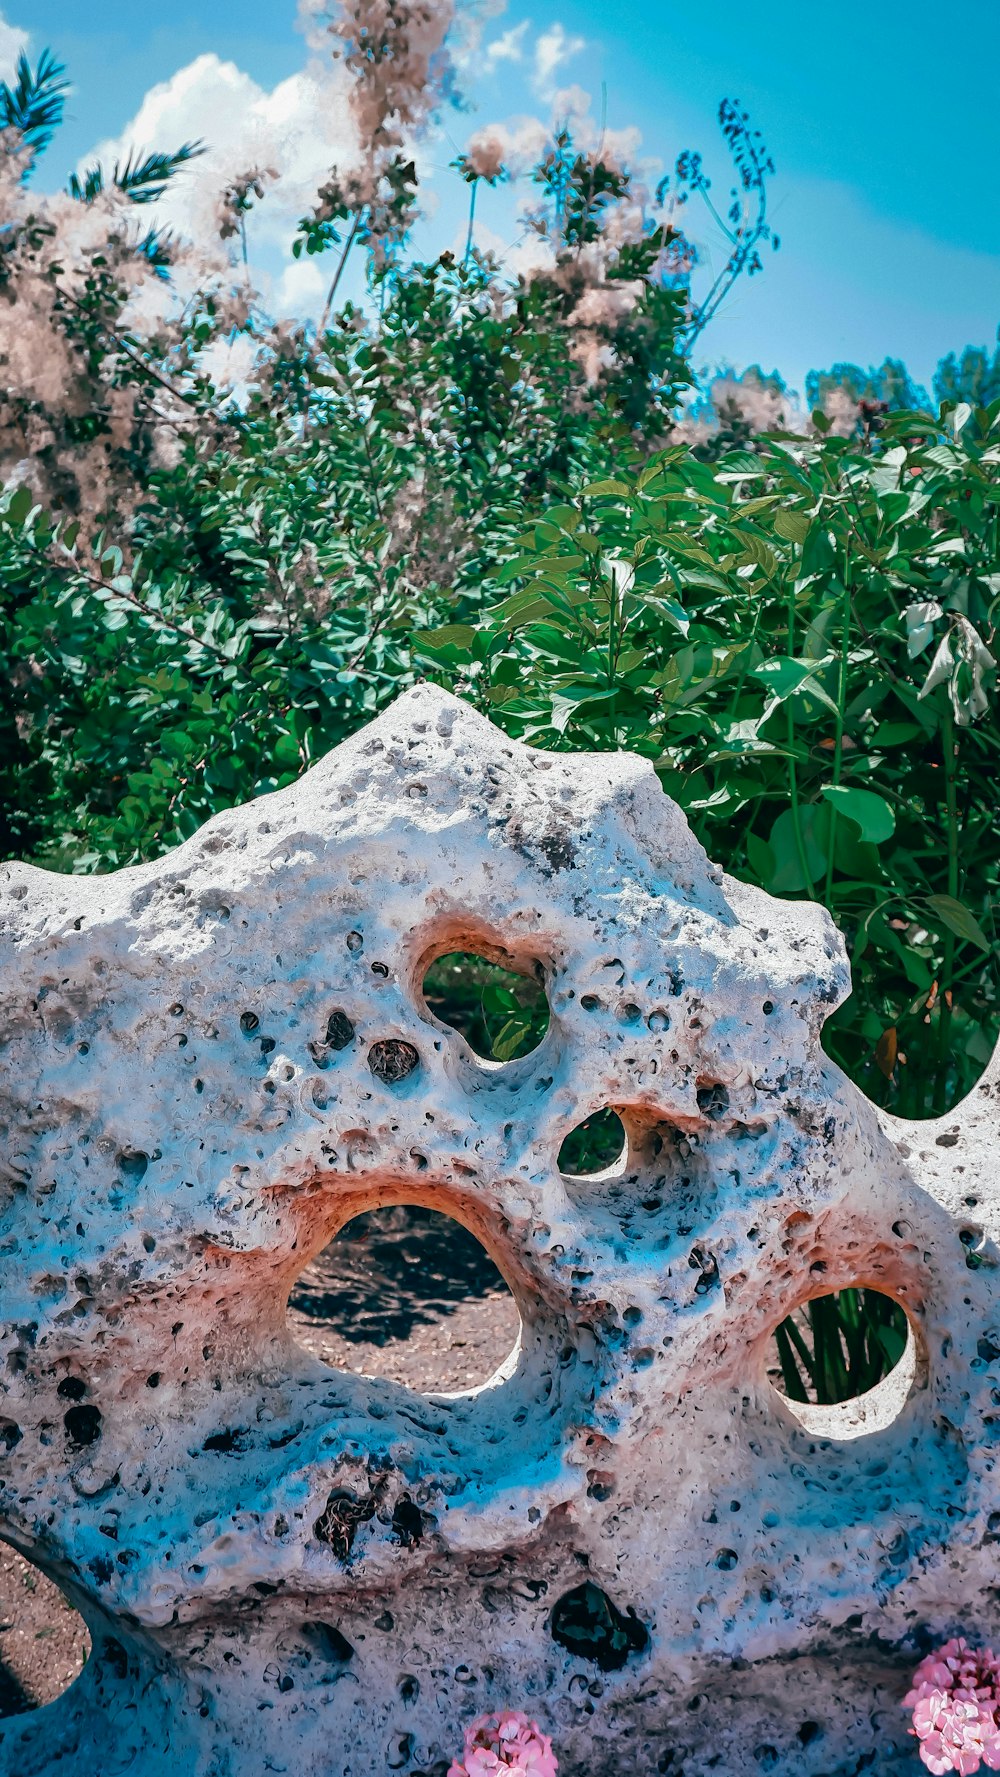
<point>402,1293</point>
<point>410,1295</point>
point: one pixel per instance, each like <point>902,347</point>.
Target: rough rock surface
<point>210,1063</point>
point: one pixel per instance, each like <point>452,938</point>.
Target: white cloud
<point>471,18</point>
<point>524,257</point>
<point>301,128</point>
<point>571,104</point>
<point>530,256</point>
<point>554,47</point>
<point>485,239</point>
<point>12,41</point>
<point>509,47</point>
<point>521,142</point>
<point>301,289</point>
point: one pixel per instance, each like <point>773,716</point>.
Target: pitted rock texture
<point>212,1062</point>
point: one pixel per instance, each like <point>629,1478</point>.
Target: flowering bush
<point>82,415</point>
<point>122,344</point>
<point>955,1700</point>
<point>505,1743</point>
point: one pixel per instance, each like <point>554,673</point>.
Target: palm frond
<point>90,187</point>
<point>143,179</point>
<point>33,106</point>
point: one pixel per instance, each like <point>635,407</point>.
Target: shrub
<point>800,638</point>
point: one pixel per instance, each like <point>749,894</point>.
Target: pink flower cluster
<point>955,1701</point>
<point>505,1745</point>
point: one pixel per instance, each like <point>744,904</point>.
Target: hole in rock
<point>408,1294</point>
<point>392,1060</point>
<point>594,1145</point>
<point>83,1425</point>
<point>501,1013</point>
<point>590,1626</point>
<point>845,1362</point>
<point>327,1641</point>
<point>43,1640</point>
<point>933,1049</point>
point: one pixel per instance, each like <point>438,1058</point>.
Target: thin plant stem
<point>949,748</point>
<point>338,274</point>
<point>793,776</point>
<point>472,223</point>
<point>838,751</point>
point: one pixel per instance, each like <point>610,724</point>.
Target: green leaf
<point>869,811</point>
<point>518,569</point>
<point>758,552</point>
<point>19,505</point>
<point>510,1037</point>
<point>450,635</point>
<point>674,613</point>
<point>526,607</point>
<point>610,486</point>
<point>956,916</point>
<point>895,734</point>
<point>760,858</point>
<point>566,706</point>
<point>286,752</point>
<point>793,526</point>
<point>795,866</point>
<point>893,1343</point>
<point>784,677</point>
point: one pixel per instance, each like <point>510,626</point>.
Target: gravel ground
<point>43,1642</point>
<point>401,1293</point>
<point>406,1294</point>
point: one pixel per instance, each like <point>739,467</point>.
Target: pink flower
<point>955,1700</point>
<point>505,1745</point>
<point>486,154</point>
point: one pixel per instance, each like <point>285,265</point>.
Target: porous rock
<point>208,1064</point>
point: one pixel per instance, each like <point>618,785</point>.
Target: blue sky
<point>881,117</point>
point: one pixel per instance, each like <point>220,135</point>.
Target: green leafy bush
<point>800,639</point>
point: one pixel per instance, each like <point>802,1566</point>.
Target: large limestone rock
<point>211,1062</point>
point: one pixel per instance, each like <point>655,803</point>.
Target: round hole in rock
<point>408,1294</point>
<point>845,1362</point>
<point>501,1013</point>
<point>44,1643</point>
<point>594,1145</point>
